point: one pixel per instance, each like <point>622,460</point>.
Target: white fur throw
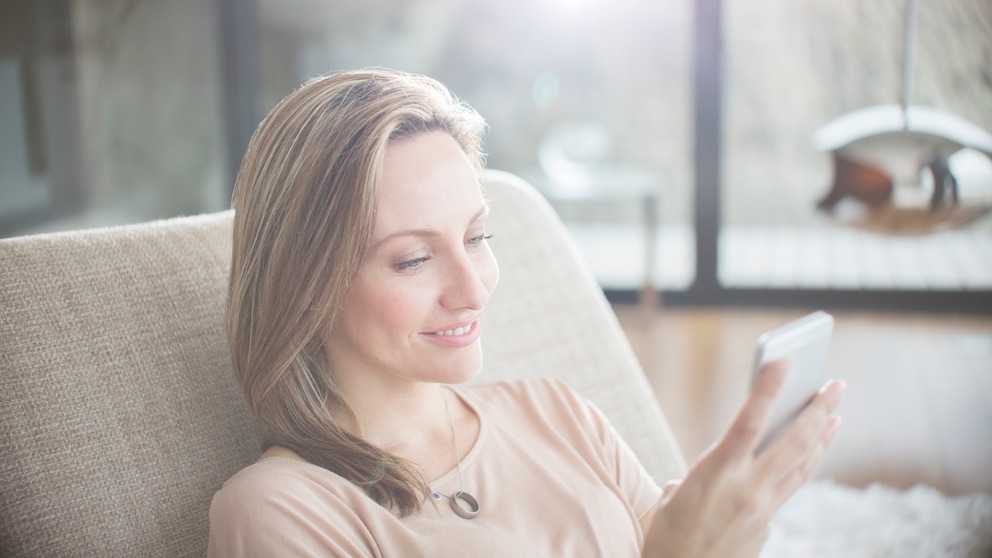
<point>825,519</point>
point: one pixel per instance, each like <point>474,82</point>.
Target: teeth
<point>458,331</point>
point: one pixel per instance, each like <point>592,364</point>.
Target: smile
<point>457,332</point>
<point>457,337</point>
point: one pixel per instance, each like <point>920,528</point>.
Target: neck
<point>414,425</point>
<point>384,414</point>
<point>406,418</point>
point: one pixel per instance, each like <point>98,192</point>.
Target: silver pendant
<point>473,509</point>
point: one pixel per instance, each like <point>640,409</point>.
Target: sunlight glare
<point>572,5</point>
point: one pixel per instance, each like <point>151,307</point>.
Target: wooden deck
<point>815,258</point>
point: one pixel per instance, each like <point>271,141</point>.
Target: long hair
<point>304,203</point>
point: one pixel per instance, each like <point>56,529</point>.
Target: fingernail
<point>835,389</point>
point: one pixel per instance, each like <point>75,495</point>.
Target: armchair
<point>119,413</point>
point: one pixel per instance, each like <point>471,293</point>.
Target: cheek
<point>372,315</point>
<point>400,310</point>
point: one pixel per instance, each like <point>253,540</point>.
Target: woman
<point>360,269</point>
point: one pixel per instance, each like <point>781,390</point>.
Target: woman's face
<point>412,311</point>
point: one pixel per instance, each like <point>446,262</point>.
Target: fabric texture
<point>119,414</point>
<point>552,477</point>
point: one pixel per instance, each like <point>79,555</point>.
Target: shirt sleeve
<point>632,480</point>
<point>640,489</point>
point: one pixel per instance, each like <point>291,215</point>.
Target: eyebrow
<point>426,233</point>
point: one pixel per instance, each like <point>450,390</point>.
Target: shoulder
<point>277,478</point>
<point>264,479</point>
<point>281,504</point>
<point>259,493</point>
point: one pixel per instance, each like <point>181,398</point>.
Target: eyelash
<point>414,264</point>
<point>479,239</point>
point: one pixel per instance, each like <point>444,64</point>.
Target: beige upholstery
<point>119,416</point>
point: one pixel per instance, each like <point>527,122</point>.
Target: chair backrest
<point>549,317</point>
<point>119,414</point>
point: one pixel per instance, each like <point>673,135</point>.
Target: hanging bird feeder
<point>898,167</point>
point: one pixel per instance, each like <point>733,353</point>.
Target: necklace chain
<point>461,495</point>
<point>454,439</point>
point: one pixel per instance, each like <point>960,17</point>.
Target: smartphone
<point>804,345</point>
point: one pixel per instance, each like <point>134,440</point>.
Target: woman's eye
<point>477,240</point>
<point>411,264</point>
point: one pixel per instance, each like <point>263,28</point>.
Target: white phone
<point>804,344</point>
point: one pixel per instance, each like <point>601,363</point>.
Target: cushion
<point>119,413</point>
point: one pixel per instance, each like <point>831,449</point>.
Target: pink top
<point>551,475</point>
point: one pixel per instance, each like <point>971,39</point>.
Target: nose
<point>470,280</point>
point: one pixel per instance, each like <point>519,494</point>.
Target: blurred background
<point>674,137</point>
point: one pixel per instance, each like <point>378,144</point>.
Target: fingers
<point>807,437</point>
<point>730,494</point>
<point>792,481</point>
<point>744,432</point>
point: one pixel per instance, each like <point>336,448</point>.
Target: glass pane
<point>792,69</point>
<point>602,86</point>
<point>111,113</point>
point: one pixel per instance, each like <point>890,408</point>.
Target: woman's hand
<point>723,506</point>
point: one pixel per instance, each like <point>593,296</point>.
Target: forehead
<point>426,181</point>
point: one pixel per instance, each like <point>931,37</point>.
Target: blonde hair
<point>304,203</point>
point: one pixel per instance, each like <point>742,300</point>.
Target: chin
<point>463,378</point>
<point>461,370</point>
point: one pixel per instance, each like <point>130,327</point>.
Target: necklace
<point>461,496</point>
